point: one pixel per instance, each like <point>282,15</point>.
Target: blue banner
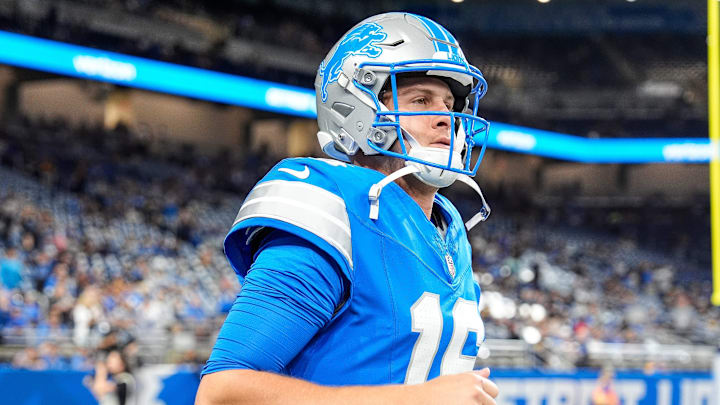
<point>25,387</point>
<point>88,63</point>
<point>531,387</point>
<point>177,385</point>
<point>593,150</point>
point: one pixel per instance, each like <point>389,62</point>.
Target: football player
<point>356,273</point>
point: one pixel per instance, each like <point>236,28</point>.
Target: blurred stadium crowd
<point>107,243</point>
<point>100,236</point>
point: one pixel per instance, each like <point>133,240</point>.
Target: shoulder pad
<point>299,197</point>
<point>304,205</point>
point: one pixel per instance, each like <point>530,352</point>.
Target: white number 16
<point>427,319</point>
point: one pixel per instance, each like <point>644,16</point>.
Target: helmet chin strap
<point>376,189</point>
<point>484,212</point>
<point>432,176</point>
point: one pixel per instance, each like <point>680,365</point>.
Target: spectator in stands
<point>80,360</point>
<point>11,268</point>
<point>52,329</point>
<point>28,359</point>
<point>86,313</point>
<point>48,352</point>
<point>4,311</point>
<point>113,383</point>
<point>604,393</point>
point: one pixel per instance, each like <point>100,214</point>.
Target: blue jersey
<point>411,310</point>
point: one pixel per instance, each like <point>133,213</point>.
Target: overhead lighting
<point>630,1</point>
<point>457,1</point>
<point>531,335</point>
<point>543,1</point>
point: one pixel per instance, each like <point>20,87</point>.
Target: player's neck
<point>423,194</point>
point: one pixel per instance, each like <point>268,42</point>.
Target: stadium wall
<point>176,385</point>
<point>189,120</point>
<point>68,99</point>
<point>673,180</point>
<point>510,170</point>
<point>268,135</point>
<point>6,77</point>
<point>591,179</point>
<point>160,115</point>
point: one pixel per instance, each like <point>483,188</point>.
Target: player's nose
<point>441,122</point>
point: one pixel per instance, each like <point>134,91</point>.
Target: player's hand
<point>471,388</point>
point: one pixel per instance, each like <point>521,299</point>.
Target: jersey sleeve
<point>298,196</point>
<point>290,292</point>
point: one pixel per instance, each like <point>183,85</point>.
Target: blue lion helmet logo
<point>359,41</point>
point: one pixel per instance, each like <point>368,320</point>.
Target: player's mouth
<point>443,143</point>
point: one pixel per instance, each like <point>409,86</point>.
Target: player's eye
<point>420,100</point>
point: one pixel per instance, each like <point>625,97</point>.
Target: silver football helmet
<point>368,59</point>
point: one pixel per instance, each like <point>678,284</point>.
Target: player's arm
<point>290,292</point>
<point>235,387</point>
